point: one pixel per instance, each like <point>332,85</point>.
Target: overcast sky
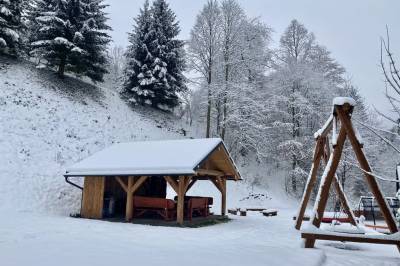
<point>350,29</point>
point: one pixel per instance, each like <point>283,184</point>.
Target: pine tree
<point>155,58</point>
<point>93,40</point>
<point>70,35</point>
<point>139,79</point>
<point>10,26</point>
<point>168,56</point>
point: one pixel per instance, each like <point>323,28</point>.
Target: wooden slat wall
<point>93,195</point>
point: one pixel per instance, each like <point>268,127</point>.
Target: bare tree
<point>392,80</point>
<point>204,46</point>
<point>233,19</point>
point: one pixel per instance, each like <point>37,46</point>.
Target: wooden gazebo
<point>146,167</point>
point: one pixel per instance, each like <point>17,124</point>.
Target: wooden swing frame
<point>343,114</point>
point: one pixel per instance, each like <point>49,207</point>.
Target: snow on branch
<point>380,177</point>
<point>374,131</point>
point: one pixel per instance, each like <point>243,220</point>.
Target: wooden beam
<point>217,185</point>
<point>373,239</point>
<point>312,178</point>
<point>210,172</point>
<point>137,184</point>
<point>328,128</point>
<point>124,187</point>
<point>129,200</point>
<point>192,182</point>
<point>339,188</point>
<point>181,199</point>
<point>362,160</point>
<point>323,192</point>
<point>187,182</point>
<point>173,183</point>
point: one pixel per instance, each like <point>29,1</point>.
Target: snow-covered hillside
<point>47,124</point>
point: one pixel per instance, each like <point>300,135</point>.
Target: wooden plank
<point>93,197</point>
<point>362,160</point>
<point>173,183</point>
<point>318,150</point>
<point>323,192</point>
<point>123,185</point>
<point>181,198</point>
<point>129,200</point>
<point>347,238</point>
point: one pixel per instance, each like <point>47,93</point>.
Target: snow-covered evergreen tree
<point>139,79</point>
<point>93,39</point>
<point>71,35</point>
<point>155,58</point>
<point>10,26</point>
<point>168,54</point>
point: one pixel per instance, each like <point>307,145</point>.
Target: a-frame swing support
<point>322,150</point>
<point>342,112</point>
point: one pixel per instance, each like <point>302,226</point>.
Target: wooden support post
<point>181,200</point>
<point>129,200</point>
<point>362,160</point>
<point>323,192</point>
<point>339,188</point>
<point>223,198</point>
<point>312,178</point>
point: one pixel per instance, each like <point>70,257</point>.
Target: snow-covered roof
<point>163,157</point>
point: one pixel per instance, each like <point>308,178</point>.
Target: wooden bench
<point>199,205</point>
<point>345,237</point>
<point>233,211</point>
<point>270,212</point>
<point>166,208</point>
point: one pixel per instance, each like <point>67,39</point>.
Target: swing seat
<point>339,219</point>
<point>318,234</point>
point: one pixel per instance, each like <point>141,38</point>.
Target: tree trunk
<point>218,107</point>
<point>209,104</point>
<point>61,67</point>
<point>225,107</point>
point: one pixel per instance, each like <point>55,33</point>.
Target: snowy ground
<point>34,239</point>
